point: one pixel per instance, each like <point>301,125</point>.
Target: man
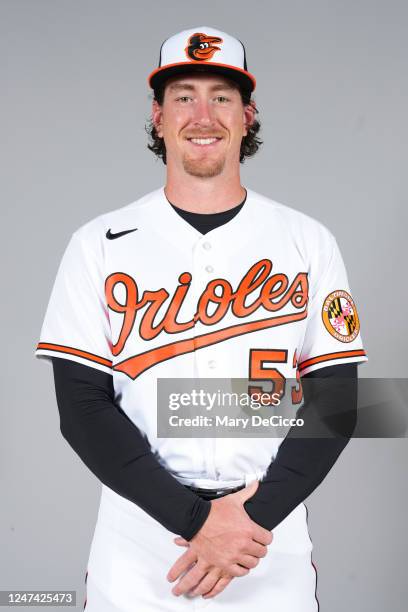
<point>201,279</point>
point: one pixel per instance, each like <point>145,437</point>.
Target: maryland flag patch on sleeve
<point>340,318</point>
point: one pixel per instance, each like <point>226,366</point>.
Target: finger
<point>219,587</point>
<point>182,564</point>
<point>248,561</point>
<point>189,581</point>
<point>255,549</point>
<point>181,541</point>
<point>237,571</point>
<point>262,536</point>
<point>207,583</point>
<point>246,492</point>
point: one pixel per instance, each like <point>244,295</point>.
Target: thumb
<point>246,492</point>
<point>181,541</point>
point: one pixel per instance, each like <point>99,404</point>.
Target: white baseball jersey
<point>143,295</point>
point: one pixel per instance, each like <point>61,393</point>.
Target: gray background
<point>332,96</point>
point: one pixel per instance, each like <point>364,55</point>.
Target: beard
<point>203,168</point>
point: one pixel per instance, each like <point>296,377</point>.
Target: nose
<point>203,113</point>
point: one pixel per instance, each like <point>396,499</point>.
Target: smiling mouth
<point>204,141</point>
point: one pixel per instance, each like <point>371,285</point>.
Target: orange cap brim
<point>241,76</point>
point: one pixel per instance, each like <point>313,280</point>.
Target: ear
<point>157,117</point>
<point>249,116</point>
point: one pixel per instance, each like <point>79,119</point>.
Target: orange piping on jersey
<point>134,366</point>
<point>331,356</point>
<point>59,348</point>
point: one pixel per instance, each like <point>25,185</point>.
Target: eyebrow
<point>190,87</point>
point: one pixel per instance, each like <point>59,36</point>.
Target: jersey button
<point>209,269</point>
<point>207,246</point>
<point>212,364</point>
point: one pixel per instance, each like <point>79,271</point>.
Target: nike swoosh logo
<point>111,236</point>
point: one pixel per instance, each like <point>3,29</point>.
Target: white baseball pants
<point>131,554</point>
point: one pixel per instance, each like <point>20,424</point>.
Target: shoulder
<point>308,233</point>
<point>94,231</point>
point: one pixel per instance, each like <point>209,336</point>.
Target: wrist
<point>198,516</point>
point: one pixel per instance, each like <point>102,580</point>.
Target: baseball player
<point>201,278</point>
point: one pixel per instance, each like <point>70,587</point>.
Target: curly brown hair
<point>249,145</point>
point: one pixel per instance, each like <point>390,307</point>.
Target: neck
<point>204,195</point>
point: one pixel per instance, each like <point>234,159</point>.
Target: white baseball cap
<point>203,48</point>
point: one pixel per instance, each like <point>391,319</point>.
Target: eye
<point>202,46</point>
<point>183,99</point>
<point>222,99</point>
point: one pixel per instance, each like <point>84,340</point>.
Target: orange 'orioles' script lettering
<point>272,294</point>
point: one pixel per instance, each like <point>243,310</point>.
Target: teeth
<point>203,141</point>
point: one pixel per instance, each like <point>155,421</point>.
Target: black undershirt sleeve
<point>307,454</point>
<point>116,451</point>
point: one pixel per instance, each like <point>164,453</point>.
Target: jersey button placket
<point>203,269</point>
<point>206,364</point>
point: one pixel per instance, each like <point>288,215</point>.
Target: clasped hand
<point>228,545</point>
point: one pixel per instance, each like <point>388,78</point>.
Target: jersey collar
<point>233,234</point>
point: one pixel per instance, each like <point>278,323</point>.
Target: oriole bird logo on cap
<point>202,47</point>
